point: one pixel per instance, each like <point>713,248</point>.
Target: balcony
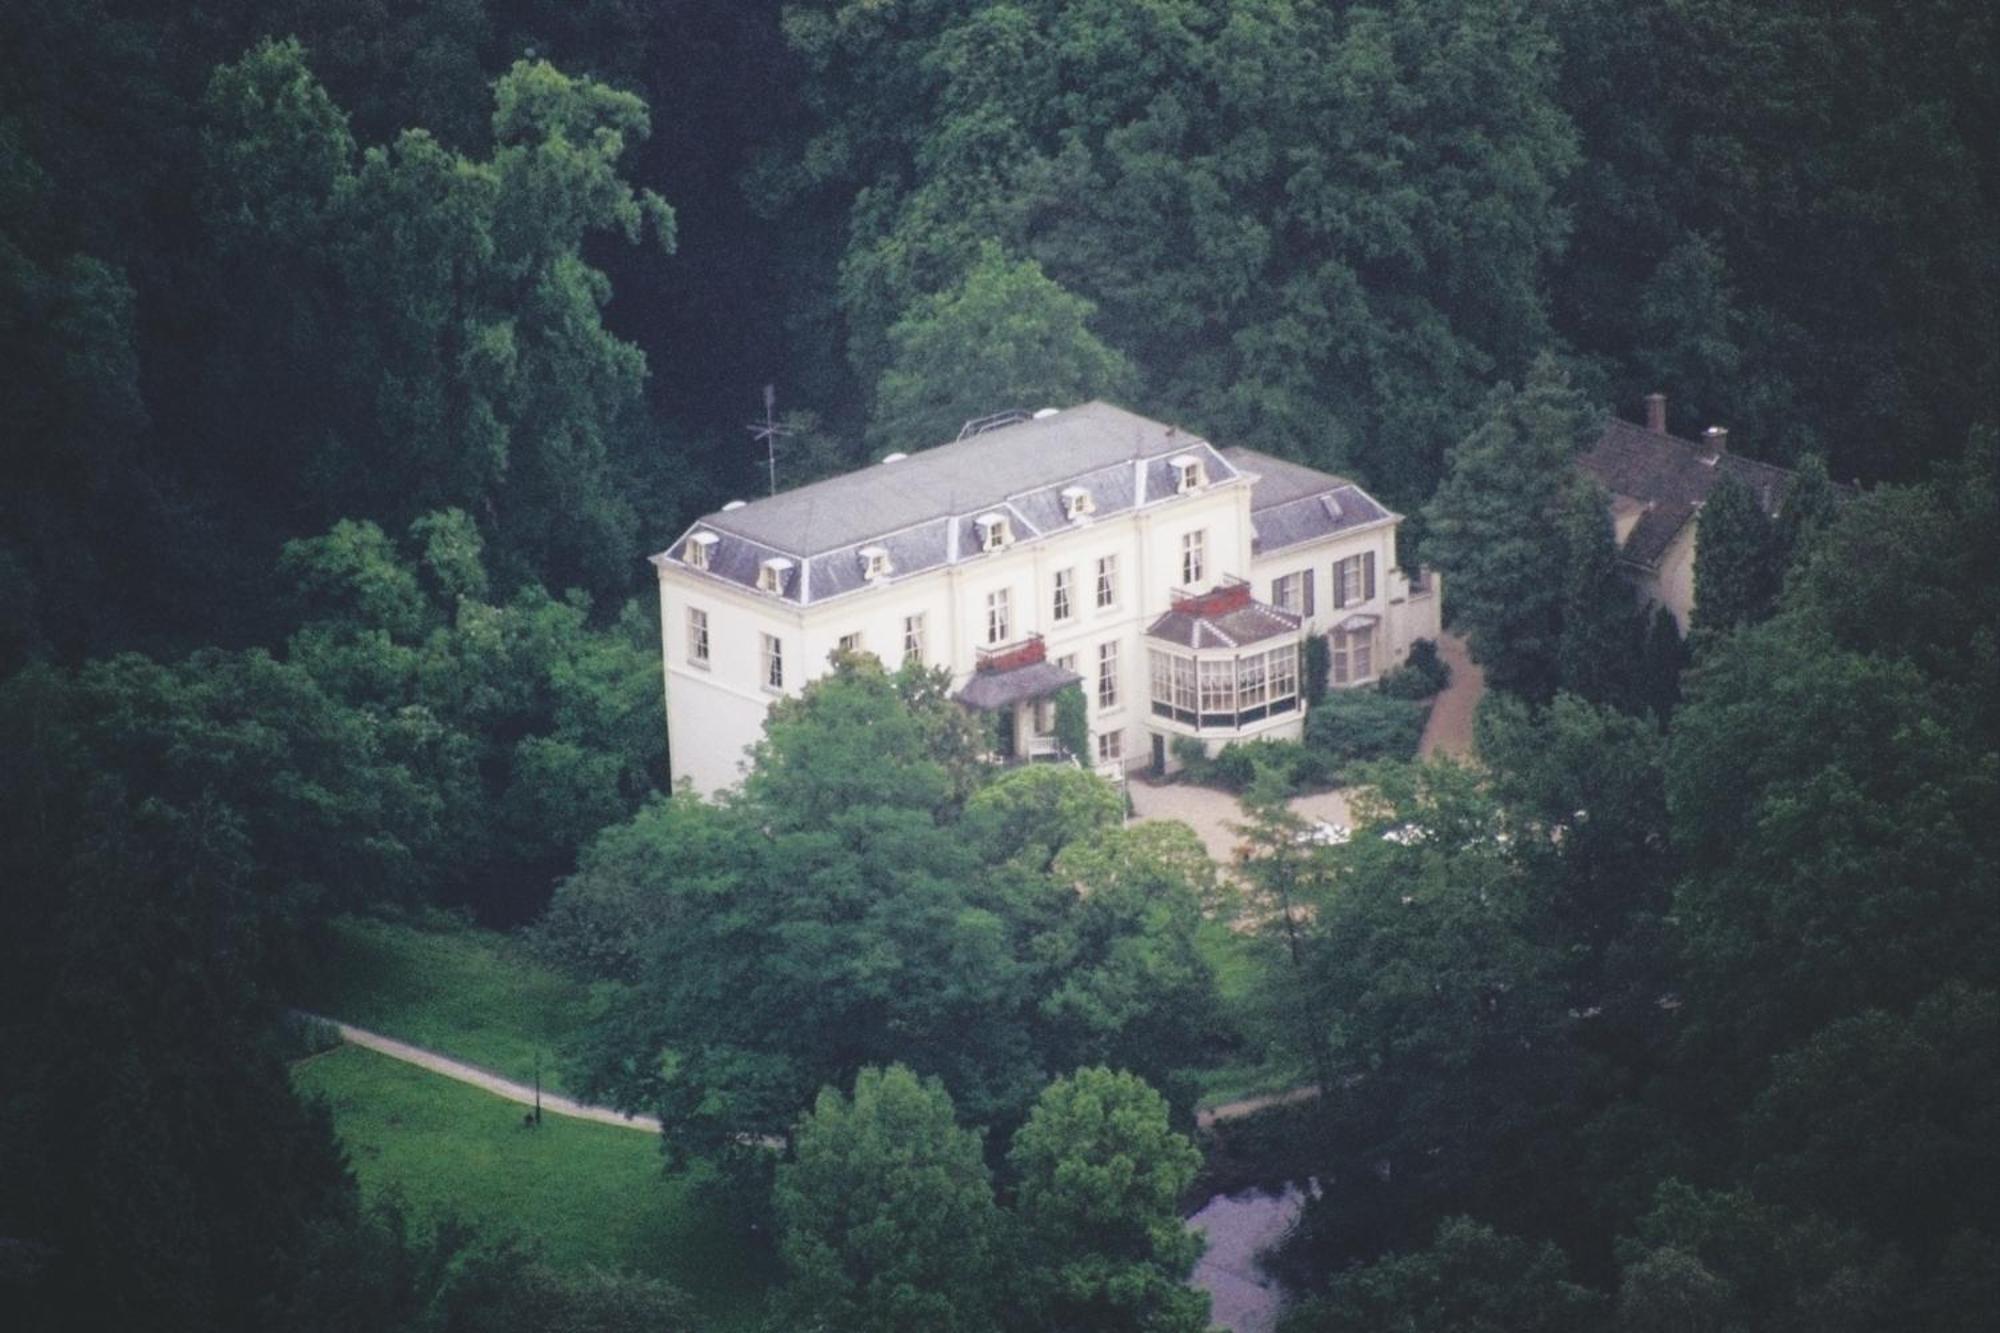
<point>1229,594</point>
<point>1011,656</point>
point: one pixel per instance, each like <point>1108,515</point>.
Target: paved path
<point>1449,729</point>
<point>489,1081</point>
<point>1252,1105</point>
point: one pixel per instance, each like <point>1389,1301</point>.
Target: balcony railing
<point>1229,594</point>
<point>1010,656</point>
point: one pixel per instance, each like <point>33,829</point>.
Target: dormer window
<point>773,575</point>
<point>699,547</point>
<point>1189,474</point>
<point>875,562</point>
<point>995,532</point>
<point>1077,503</point>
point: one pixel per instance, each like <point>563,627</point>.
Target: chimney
<point>1656,413</point>
<point>1716,438</point>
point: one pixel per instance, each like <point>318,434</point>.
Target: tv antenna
<point>768,430</point>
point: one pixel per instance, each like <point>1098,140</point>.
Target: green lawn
<point>1238,974</point>
<point>449,987</point>
<point>590,1194</point>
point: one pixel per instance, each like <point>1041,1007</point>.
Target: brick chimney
<point>1656,413</point>
<point>1716,438</point>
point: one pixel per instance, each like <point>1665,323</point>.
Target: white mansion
<point>1175,581</point>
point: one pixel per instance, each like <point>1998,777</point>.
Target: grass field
<point>589,1193</point>
<point>449,987</point>
<point>1238,974</point>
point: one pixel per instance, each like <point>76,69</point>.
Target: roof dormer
<point>1189,474</point>
<point>875,563</point>
<point>1077,503</point>
<point>996,532</point>
<point>773,575</point>
<point>698,548</point>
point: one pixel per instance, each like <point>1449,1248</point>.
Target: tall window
<point>1110,746</point>
<point>1107,581</point>
<point>774,663</point>
<point>697,636</point>
<point>1065,590</point>
<point>1354,579</point>
<point>913,639</point>
<point>1294,593</point>
<point>1193,546</point>
<point>1107,674</point>
<point>999,616</point>
<point>1353,656</point>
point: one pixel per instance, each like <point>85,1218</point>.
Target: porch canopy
<point>1014,674</point>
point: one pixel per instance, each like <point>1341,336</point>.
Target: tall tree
<point>1495,528</point>
<point>1098,1179</point>
<point>886,1219</point>
<point>1004,337</point>
<point>1597,655</point>
<point>468,362</point>
<point>1738,565</point>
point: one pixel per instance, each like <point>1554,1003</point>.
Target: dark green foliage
<point>885,1214</point>
<point>1495,529</point>
<point>1004,337</point>
<point>468,365</point>
<point>870,899</point>
<point>1738,563</point>
<point>1353,727</point>
<point>1318,664</point>
<point>1171,165</point>
<point>1073,723</point>
<point>1423,674</point>
<point>1098,1178</point>
<point>530,729</point>
<point>1599,650</point>
<point>1471,1278</point>
<point>1661,662</point>
<point>1722,1260</point>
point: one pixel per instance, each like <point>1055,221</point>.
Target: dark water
<point>1240,1226</point>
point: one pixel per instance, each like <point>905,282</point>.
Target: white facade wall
<point>716,712</point>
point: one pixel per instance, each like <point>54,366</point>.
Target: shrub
<point>1319,660</point>
<point>1235,767</point>
<point>1423,675</point>
<point>1073,722</point>
<point>1355,726</point>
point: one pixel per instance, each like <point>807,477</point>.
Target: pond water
<point>1240,1226</point>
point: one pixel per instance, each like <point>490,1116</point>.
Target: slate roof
<point>999,689</point>
<point>1291,503</point>
<point>1248,624</point>
<point>924,508</point>
<point>1670,478</point>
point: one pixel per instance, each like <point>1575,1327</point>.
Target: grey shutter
<point>1309,593</point>
<point>1368,577</point>
<point>1339,586</point>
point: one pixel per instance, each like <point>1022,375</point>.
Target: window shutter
<point>1339,586</point>
<point>1368,577</point>
<point>1309,593</point>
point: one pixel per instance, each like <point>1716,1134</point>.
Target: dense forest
<point>353,356</point>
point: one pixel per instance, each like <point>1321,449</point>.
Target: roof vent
<point>733,504</point>
<point>894,458</point>
<point>1046,412</point>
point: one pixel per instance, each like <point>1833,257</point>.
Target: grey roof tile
<point>1671,478</point>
